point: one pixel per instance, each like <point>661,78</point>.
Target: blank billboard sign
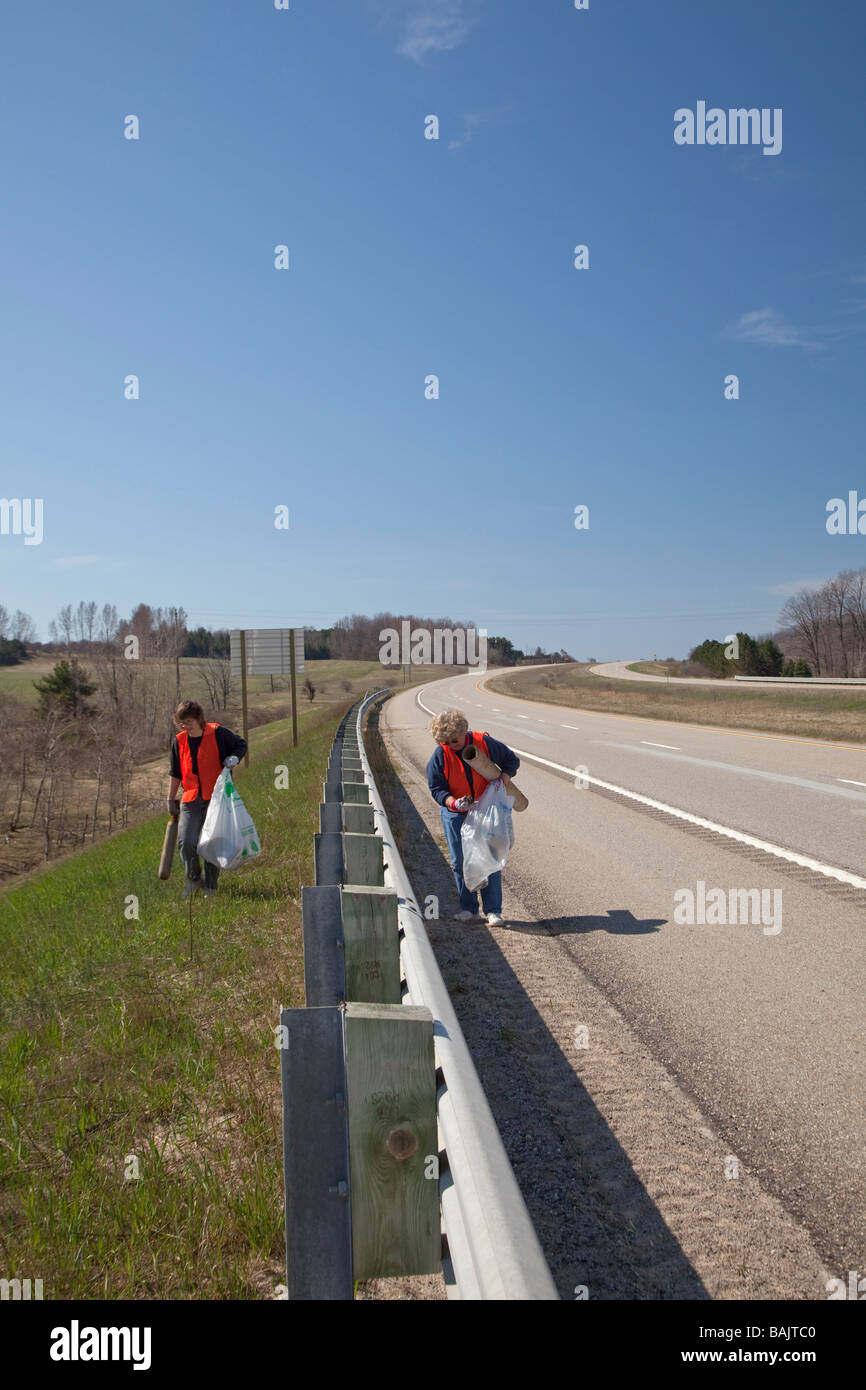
<point>268,651</point>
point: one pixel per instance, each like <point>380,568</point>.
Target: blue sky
<point>409,257</point>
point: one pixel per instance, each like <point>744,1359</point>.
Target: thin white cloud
<point>471,122</point>
<point>69,560</point>
<point>770,329</point>
<point>424,27</point>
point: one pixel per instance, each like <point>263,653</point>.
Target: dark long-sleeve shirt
<point>501,755</point>
<point>228,744</point>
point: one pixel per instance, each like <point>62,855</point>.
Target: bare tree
<point>64,624</point>
<point>857,616</point>
<point>217,676</point>
<point>23,627</point>
<point>836,598</point>
<point>4,623</point>
<point>141,625</point>
<point>805,614</point>
<point>108,624</point>
<point>55,749</point>
<point>174,626</point>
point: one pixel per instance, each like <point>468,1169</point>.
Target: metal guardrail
<point>806,680</point>
<point>493,1251</point>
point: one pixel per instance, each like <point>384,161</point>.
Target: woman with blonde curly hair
<point>455,785</point>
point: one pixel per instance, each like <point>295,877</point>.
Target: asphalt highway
<point>760,1020</point>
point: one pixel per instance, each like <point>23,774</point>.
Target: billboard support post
<point>294,688</point>
<point>244,695</point>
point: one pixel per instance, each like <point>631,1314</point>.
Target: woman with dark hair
<point>199,752</point>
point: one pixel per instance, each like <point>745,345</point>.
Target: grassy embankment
<point>149,1043</point>
<point>806,713</point>
<point>335,682</point>
<point>263,692</point>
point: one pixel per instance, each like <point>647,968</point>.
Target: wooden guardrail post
<point>359,820</point>
<point>363,858</point>
<point>351,945</point>
<point>337,816</point>
<point>393,1145</point>
<point>356,792</point>
<point>371,944</point>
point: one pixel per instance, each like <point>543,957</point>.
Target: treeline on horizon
<point>357,638</point>
<point>823,633</point>
<point>88,629</point>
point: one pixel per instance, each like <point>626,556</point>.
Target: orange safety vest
<point>208,762</point>
<point>459,775</point>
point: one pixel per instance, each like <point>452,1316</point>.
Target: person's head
<point>450,728</point>
<point>190,716</point>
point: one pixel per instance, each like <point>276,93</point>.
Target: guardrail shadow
<point>597,1224</point>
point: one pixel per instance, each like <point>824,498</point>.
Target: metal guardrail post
<point>316,1155</point>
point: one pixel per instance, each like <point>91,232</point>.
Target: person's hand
<point>231,762</point>
<point>463,803</point>
<point>173,805</point>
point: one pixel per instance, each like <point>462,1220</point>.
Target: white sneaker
<point>494,920</point>
<point>464,916</point>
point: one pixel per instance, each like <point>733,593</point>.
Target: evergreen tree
<point>66,687</point>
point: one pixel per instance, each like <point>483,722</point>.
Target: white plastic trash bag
<point>228,837</point>
<point>487,834</point>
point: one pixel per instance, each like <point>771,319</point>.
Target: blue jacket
<point>436,781</point>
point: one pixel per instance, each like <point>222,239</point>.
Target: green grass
<point>153,1040</point>
<point>18,680</point>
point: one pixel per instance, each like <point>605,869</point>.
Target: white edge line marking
<point>569,726</point>
<point>804,860</point>
<point>649,743</point>
<point>851,782</point>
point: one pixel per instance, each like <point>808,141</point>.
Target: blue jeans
<point>491,896</point>
<point>192,817</point>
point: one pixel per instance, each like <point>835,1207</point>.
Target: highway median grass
<point>835,715</point>
<point>140,1112</point>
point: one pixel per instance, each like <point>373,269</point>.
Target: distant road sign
<point>268,651</point>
